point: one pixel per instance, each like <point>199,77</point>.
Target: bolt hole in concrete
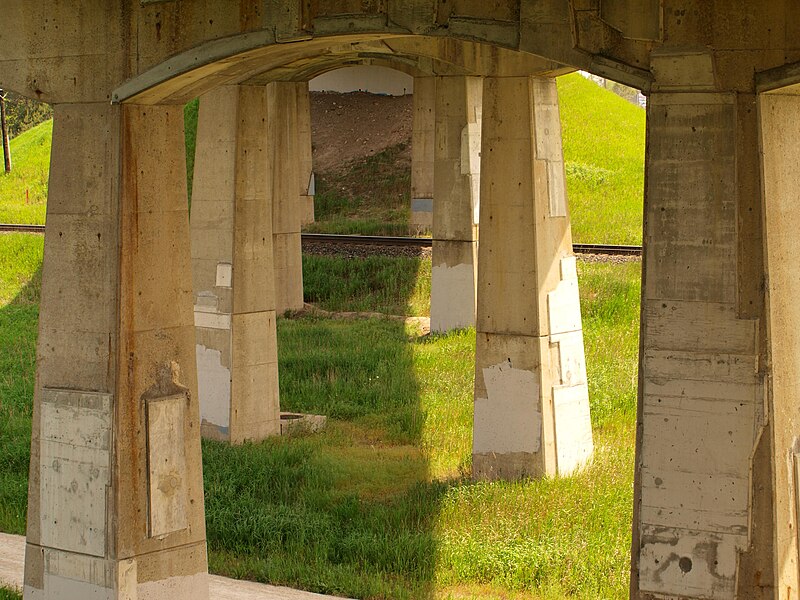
<point>685,563</point>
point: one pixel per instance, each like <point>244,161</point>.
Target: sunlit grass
<point>23,192</point>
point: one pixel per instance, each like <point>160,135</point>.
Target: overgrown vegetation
<point>8,594</point>
<point>378,506</point>
<point>23,113</point>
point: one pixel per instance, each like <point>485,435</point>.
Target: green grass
<point>378,505</point>
<point>23,192</point>
<point>603,137</point>
<point>8,594</point>
<point>397,286</point>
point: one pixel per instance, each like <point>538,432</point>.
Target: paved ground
<point>12,552</point>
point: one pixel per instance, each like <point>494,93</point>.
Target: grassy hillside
<point>23,192</point>
<point>603,149</point>
<point>604,139</point>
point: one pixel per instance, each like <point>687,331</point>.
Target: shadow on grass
<point>18,332</point>
<point>349,511</point>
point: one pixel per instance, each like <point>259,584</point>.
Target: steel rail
<point>377,240</point>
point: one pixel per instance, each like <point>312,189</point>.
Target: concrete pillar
<point>456,183</point>
<point>715,481</point>
<point>284,164</point>
<point>115,505</point>
<point>531,398</point>
<point>306,170</point>
<point>234,287</point>
<point>422,143</point>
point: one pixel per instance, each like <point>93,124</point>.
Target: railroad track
<point>375,240</point>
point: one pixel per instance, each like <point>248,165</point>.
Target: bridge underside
<point>137,306</point>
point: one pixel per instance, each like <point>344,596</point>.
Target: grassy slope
<point>603,139</point>
<point>603,149</point>
<point>23,192</point>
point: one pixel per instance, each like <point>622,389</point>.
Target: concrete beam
<point>531,396</point>
<point>232,266</point>
<point>115,505</point>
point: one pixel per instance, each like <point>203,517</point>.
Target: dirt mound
<point>348,127</point>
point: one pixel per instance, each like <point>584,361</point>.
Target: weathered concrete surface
<point>232,266</point>
<point>422,153</point>
<point>306,169</point>
<point>531,395</point>
<point>115,504</point>
<point>285,160</point>
<point>12,553</point>
<point>702,419</point>
<point>456,179</point>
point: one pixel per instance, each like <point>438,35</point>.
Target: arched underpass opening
<point>470,539</point>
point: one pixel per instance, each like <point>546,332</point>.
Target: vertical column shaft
<point>306,170</point>
<point>115,490</point>
<point>422,153</point>
<point>456,168</point>
<point>284,162</point>
<point>232,267</point>
<point>531,397</point>
<point>702,513</point>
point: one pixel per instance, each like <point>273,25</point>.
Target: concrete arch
<point>197,71</point>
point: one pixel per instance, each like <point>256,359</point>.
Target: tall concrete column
<point>531,397</point>
<point>232,268</point>
<point>714,490</point>
<point>422,155</point>
<point>284,164</point>
<point>306,170</point>
<point>456,181</point>
<point>115,505</point>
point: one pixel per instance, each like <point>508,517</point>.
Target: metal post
<point>4,133</point>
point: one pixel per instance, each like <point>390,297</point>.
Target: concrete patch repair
<point>128,287</point>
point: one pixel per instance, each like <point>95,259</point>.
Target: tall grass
<point>23,192</point>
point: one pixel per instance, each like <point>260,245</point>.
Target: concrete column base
<point>453,279</point>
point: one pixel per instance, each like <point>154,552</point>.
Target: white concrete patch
<point>187,586</point>
<point>571,357</point>
<point>689,563</point>
<point>224,275</point>
<point>452,297</point>
<point>510,419</point>
<point>214,386</point>
<point>74,465</point>
<point>211,320</point>
<point>167,465</point>
<point>563,303</point>
<point>573,425</point>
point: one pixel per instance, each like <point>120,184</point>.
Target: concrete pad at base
<point>12,555</point>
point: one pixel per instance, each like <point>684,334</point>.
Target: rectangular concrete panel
<point>74,468</point>
<point>166,460</point>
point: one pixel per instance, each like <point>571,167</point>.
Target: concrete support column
<point>284,164</point>
<point>232,268</point>
<point>715,462</point>
<point>115,506</point>
<point>456,183</point>
<point>306,170</point>
<point>531,398</point>
<point>422,155</point>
